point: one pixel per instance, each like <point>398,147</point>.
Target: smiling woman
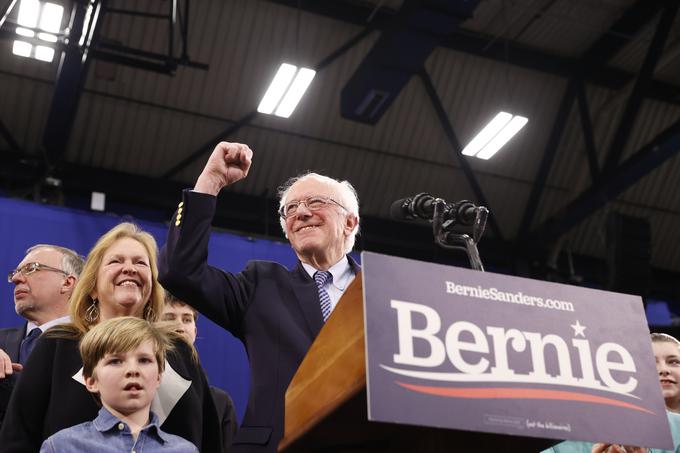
<point>123,280</point>
<point>119,279</point>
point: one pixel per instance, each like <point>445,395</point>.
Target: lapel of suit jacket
<point>14,338</point>
<point>307,296</point>
<point>353,264</point>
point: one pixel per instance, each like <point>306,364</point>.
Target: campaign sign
<point>462,349</point>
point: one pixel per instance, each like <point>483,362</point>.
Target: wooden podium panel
<point>326,400</point>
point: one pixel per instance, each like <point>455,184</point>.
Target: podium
<point>326,400</point>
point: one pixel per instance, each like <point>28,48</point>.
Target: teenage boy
<point>123,360</point>
<point>185,316</point>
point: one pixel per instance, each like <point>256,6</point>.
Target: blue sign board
<point>461,349</point>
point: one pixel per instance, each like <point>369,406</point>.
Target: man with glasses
<point>276,312</point>
<point>43,282</point>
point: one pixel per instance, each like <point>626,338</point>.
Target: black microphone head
<point>400,209</point>
<point>423,206</point>
<point>466,212</point>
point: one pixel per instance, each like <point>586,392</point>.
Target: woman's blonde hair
<point>121,335</point>
<point>81,300</point>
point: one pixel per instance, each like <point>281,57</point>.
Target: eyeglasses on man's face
<point>313,204</point>
<point>29,268</point>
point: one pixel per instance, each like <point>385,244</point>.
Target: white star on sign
<point>578,329</point>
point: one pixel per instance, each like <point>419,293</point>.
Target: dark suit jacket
<point>273,310</point>
<point>47,399</point>
<point>10,342</point>
<point>227,415</point>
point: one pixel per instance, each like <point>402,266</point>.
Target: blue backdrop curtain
<point>23,224</point>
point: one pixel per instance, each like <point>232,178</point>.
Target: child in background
<point>123,360</point>
<point>667,356</point>
<point>185,316</point>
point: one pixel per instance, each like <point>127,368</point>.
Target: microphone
<point>464,212</point>
<point>422,206</point>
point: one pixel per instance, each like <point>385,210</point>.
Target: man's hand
<point>228,163</point>
<point>613,448</point>
<point>7,368</point>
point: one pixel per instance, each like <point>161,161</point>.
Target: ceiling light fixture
<point>43,17</point>
<point>494,135</point>
<point>286,90</point>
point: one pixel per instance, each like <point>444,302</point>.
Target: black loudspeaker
<point>629,253</point>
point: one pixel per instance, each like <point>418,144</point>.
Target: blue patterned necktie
<point>320,277</point>
<point>27,345</point>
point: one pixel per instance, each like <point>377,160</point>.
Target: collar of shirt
<point>63,320</point>
<point>106,421</point>
<point>341,272</point>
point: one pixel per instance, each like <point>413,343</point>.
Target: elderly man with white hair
<point>276,312</point>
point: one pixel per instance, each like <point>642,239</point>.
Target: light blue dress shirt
<point>107,434</point>
<point>572,446</point>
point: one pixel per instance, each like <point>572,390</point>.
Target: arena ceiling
<point>136,112</point>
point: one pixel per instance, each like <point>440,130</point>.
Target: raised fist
<point>228,163</point>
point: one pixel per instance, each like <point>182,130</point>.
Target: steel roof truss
<point>663,147</point>
<point>548,156</point>
<point>642,81</point>
<point>587,126</point>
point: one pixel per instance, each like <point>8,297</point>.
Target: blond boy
<point>123,361</point>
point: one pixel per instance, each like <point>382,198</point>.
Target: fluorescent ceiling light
<point>277,88</point>
<point>502,137</point>
<point>22,48</point>
<point>29,10</point>
<point>44,16</point>
<point>286,90</point>
<point>496,134</point>
<point>486,134</point>
<point>50,18</point>
<point>25,32</point>
<point>44,53</point>
<point>47,37</point>
<point>297,89</point>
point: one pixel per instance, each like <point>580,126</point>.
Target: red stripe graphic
<point>518,393</point>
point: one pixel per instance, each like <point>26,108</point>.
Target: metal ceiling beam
<point>635,18</point>
<point>457,150</point>
<point>587,126</point>
<point>549,154</point>
<point>398,54</point>
<point>246,119</point>
<point>169,62</point>
<point>69,82</point>
<point>5,9</point>
<point>137,63</point>
<point>162,63</point>
<point>665,146</point>
<point>537,60</point>
<point>9,138</point>
<point>643,79</point>
<point>503,50</point>
<point>209,145</point>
